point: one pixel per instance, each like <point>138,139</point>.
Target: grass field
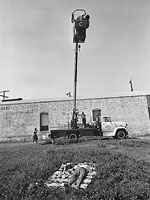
<point>123,169</point>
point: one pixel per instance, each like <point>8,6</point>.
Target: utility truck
<point>104,127</point>
<point>100,126</point>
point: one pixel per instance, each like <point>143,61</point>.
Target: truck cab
<point>116,129</point>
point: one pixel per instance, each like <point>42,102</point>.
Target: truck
<point>100,126</point>
<point>108,128</point>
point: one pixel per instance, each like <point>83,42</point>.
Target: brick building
<point>19,118</point>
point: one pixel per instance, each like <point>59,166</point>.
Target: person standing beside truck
<point>99,124</point>
<point>35,137</point>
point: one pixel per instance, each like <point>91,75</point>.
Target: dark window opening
<point>96,113</point>
<point>44,122</point>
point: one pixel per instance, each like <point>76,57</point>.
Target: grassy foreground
<point>122,171</point>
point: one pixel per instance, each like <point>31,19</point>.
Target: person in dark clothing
<point>83,116</point>
<point>35,137</point>
<point>99,125</point>
<point>78,177</point>
<point>74,121</point>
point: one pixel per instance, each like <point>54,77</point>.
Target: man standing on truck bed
<point>83,116</point>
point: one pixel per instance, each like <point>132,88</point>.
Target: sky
<point>37,49</point>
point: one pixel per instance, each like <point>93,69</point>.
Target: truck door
<point>107,125</point>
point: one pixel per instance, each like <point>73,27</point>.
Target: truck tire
<point>73,136</point>
<point>121,134</point>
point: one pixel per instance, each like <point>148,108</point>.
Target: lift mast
<point>81,23</point>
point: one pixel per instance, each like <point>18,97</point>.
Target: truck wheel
<point>121,134</point>
<point>73,136</point>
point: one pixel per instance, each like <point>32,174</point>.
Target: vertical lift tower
<point>81,23</point>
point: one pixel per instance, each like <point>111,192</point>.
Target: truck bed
<point>78,132</point>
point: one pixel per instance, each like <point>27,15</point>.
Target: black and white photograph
<point>74,99</point>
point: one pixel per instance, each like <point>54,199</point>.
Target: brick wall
<point>18,119</point>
